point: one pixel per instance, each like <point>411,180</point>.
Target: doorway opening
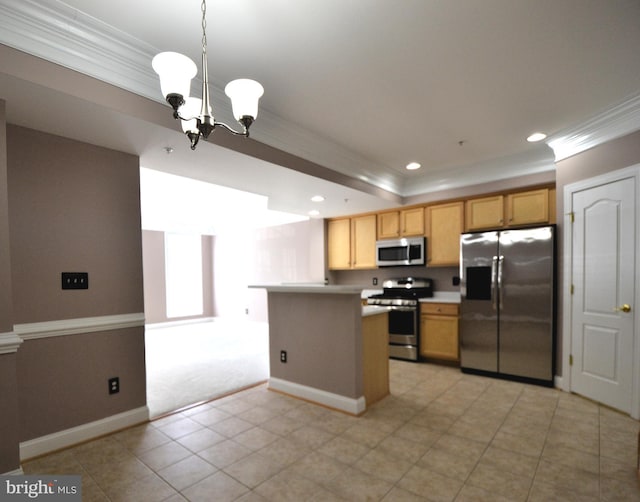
<point>206,333</point>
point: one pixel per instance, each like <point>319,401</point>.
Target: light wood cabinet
<point>375,357</point>
<point>363,241</point>
<point>528,208</point>
<point>339,244</point>
<point>403,223</point>
<point>444,224</point>
<point>484,212</point>
<point>351,243</point>
<point>439,336</point>
<point>389,225</point>
<point>412,222</point>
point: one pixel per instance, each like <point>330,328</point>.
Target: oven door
<point>403,325</point>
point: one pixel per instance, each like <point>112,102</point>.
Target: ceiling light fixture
<point>412,166</point>
<point>314,212</point>
<point>317,198</point>
<point>176,71</point>
<point>536,136</point>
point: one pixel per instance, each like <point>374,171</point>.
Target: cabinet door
<point>363,241</point>
<point>526,208</point>
<point>339,243</point>
<point>439,337</point>
<point>389,225</point>
<point>445,223</point>
<point>412,222</point>
<point>486,212</point>
<point>375,357</point>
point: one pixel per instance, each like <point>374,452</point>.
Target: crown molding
<point>618,121</point>
<point>56,32</point>
<point>535,161</point>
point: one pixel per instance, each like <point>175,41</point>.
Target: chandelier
<point>176,71</point>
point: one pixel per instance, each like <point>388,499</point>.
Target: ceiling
<point>357,89</point>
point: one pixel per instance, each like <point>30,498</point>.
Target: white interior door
<point>603,303</point>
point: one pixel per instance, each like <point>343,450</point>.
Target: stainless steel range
<point>402,295</point>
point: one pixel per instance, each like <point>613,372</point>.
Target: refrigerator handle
<point>494,273</point>
<point>500,292</point>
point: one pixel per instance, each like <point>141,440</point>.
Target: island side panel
<point>322,335</point>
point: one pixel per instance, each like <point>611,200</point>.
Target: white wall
<point>284,253</point>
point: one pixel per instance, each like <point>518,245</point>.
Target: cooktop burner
<point>403,291</point>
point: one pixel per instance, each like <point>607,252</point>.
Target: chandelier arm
<point>245,132</point>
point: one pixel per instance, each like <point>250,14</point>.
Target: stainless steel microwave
<point>401,252</point>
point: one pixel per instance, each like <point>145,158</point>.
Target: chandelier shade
<point>176,71</point>
<point>244,95</point>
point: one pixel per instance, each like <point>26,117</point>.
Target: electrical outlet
<point>75,280</point>
<point>114,385</point>
<point>283,356</point>
<point>375,281</point>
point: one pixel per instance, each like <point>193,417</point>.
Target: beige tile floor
<point>439,436</point>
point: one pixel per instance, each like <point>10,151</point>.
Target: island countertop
<point>309,287</point>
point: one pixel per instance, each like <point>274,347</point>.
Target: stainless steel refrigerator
<point>508,300</point>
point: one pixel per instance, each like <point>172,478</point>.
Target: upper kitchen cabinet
<point>403,223</point>
<point>484,212</point>
<point>351,243</point>
<point>531,207</point>
<point>444,224</point>
<point>528,208</point>
<point>339,243</point>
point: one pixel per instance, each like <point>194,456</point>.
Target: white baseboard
<point>17,472</point>
<point>84,432</point>
<point>348,405</point>
<point>182,322</point>
<point>558,382</point>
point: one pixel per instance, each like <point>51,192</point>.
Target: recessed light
<point>317,198</point>
<point>314,212</point>
<point>412,166</point>
<point>536,136</point>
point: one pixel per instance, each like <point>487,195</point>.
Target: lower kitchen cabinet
<point>375,357</point>
<point>439,337</point>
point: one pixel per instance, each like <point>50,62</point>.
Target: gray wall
<point>9,424</point>
<point>72,207</point>
<point>323,352</point>
<point>610,156</point>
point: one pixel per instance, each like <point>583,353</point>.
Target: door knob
<point>624,308</point>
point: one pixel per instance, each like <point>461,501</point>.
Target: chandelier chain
<point>204,26</point>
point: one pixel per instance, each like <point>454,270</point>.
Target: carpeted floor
<point>192,363</point>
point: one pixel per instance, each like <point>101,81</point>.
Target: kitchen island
<point>325,347</point>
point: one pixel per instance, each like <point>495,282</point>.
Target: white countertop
<point>442,297</point>
<point>309,287</point>
<point>369,310</point>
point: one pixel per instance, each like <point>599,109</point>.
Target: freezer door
<point>479,297</point>
<point>526,303</point>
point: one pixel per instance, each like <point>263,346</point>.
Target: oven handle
<point>402,309</point>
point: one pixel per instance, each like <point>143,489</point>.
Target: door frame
<point>567,268</point>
